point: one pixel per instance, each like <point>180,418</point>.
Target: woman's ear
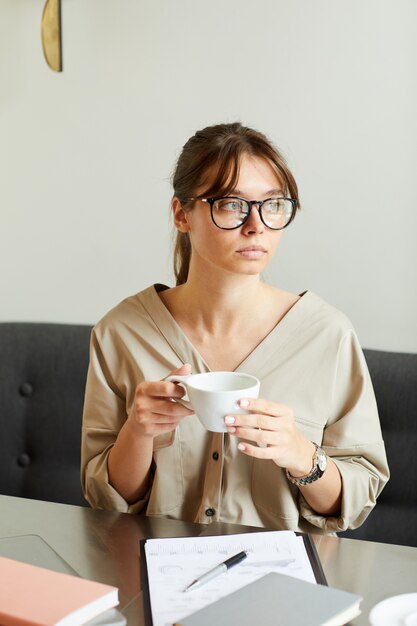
<point>180,216</point>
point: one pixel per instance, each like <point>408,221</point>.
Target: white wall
<point>86,155</point>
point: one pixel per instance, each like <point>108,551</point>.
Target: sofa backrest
<point>43,369</point>
<point>394,518</point>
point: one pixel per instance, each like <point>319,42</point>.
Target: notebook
<point>35,595</point>
<point>279,600</point>
<point>168,565</point>
<point>34,550</point>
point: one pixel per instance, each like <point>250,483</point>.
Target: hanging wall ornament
<point>51,34</point>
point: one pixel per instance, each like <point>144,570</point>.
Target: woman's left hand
<point>272,426</point>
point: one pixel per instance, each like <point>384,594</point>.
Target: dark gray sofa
<point>43,368</point>
<point>42,376</point>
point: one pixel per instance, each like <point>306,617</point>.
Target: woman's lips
<point>252,252</point>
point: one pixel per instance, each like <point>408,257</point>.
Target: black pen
<point>219,569</point>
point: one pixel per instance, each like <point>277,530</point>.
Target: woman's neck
<point>216,307</point>
<point>226,320</point>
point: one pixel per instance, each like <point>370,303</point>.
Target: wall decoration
<point>51,34</point>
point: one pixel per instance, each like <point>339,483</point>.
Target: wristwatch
<point>319,467</point>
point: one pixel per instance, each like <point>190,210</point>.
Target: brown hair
<point>209,162</point>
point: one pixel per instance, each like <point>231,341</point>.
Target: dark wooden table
<point>104,546</point>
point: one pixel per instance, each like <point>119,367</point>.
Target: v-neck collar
<point>275,340</point>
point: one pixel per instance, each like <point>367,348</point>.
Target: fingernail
<point>241,446</point>
<point>229,419</point>
<point>231,429</point>
<point>244,402</point>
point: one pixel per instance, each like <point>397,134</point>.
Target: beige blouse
<point>311,361</point>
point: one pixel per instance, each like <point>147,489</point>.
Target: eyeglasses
<point>232,212</point>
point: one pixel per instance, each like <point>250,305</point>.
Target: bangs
<point>221,176</point>
<point>209,166</point>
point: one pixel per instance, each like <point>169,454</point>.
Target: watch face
<point>322,461</point>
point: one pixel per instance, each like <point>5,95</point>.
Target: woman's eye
<point>234,206</point>
<point>273,206</point>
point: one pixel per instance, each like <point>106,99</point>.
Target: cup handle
<point>182,380</point>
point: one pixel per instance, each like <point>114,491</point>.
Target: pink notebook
<point>31,595</point>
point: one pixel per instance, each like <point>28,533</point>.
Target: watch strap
<point>315,473</point>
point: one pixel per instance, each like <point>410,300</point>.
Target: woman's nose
<point>254,223</point>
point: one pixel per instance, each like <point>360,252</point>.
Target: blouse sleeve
<point>104,415</point>
<point>352,438</point>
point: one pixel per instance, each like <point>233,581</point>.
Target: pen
<point>219,569</point>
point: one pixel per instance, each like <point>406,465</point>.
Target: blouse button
<point>215,455</point>
<point>210,512</point>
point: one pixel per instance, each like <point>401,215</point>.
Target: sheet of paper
<point>174,563</point>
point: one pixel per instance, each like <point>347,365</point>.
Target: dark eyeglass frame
<point>250,204</point>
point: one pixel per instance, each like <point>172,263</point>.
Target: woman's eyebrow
<point>270,192</point>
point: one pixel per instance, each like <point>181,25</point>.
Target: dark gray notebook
<point>279,600</point>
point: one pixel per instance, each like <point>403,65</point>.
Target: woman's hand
<point>272,426</point>
<point>154,412</point>
<point>154,409</point>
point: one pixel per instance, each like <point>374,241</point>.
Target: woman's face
<point>245,250</point>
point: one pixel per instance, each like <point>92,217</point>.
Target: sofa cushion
<point>394,518</point>
<point>43,369</point>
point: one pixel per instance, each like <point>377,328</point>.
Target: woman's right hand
<point>154,409</point>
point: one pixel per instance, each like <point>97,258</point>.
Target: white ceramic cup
<point>215,394</point>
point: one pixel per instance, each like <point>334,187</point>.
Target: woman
<point>308,454</point>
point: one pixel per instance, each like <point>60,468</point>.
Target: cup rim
<point>194,378</point>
